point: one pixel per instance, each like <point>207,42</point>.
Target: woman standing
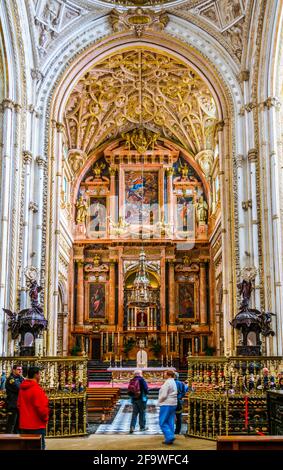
<point>167,401</point>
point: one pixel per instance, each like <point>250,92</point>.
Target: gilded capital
<point>60,126</point>
<point>244,76</point>
<point>252,155</point>
<point>27,157</point>
<point>272,101</point>
<point>7,104</point>
<point>239,160</point>
<point>40,161</point>
<point>220,126</point>
<point>112,171</point>
<point>169,171</point>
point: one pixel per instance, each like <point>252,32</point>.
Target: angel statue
<point>13,324</point>
<point>82,209</point>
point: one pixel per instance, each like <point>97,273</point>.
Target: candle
<point>162,360</point>
<point>118,338</point>
<point>171,360</point>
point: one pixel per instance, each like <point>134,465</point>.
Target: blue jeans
<point>139,407</point>
<point>42,432</point>
<point>167,421</point>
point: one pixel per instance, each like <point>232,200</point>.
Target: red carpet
<point>120,385</point>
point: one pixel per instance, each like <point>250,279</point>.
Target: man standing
<point>167,401</point>
<point>181,392</point>
<point>138,390</point>
<point>33,406</point>
<point>12,386</point>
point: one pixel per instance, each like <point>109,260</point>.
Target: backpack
<point>134,388</point>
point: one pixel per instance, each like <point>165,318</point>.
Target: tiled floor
<point>115,436</point>
<point>121,423</point>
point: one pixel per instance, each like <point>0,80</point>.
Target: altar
<point>150,374</point>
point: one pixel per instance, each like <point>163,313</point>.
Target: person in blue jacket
<point>182,389</point>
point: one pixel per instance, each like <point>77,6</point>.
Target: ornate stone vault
<point>141,87</point>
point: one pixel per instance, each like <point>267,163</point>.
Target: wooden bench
<point>250,443</point>
<point>20,442</point>
<point>101,403</point>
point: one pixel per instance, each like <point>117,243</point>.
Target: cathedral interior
<point>141,180</point>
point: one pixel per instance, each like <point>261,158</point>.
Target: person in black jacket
<point>138,390</point>
<point>12,386</point>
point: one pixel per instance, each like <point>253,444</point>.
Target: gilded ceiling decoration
<point>140,89</point>
<point>138,20</point>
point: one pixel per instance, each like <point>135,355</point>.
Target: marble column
<point>39,200</point>
<point>252,157</point>
<point>120,294</point>
<point>113,206</point>
<point>65,333</point>
<point>7,106</point>
<point>112,284</point>
<point>80,292</point>
<point>170,201</point>
<point>172,319</point>
<point>203,296</point>
<point>27,159</point>
<point>162,290</point>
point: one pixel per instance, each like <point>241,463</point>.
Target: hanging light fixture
<point>141,293</point>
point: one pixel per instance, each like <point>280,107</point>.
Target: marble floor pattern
<point>122,420</point>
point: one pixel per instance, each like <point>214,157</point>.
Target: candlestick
<point>171,360</point>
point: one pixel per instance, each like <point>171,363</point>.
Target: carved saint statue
<point>201,211</point>
<point>245,290</point>
<point>82,209</point>
<point>141,356</point>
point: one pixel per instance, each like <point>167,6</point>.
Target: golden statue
<point>82,209</point>
<point>140,139</point>
<point>202,211</point>
<point>97,169</point>
<point>184,170</point>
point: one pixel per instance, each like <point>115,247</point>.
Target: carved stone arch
<point>225,106</point>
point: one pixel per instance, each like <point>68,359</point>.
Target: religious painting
<point>97,214</point>
<point>141,197</point>
<point>186,300</point>
<point>96,300</point>
<point>185,214</point>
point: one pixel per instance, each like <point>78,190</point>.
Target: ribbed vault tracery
<point>141,87</point>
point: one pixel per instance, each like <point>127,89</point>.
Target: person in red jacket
<point>33,406</point>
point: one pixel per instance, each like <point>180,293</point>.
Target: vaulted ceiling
<point>141,87</point>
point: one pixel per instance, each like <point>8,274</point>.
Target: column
<point>252,156</point>
<point>39,199</point>
<point>121,293</point>
<point>162,290</point>
<point>65,333</point>
<point>7,106</point>
<point>112,283</point>
<point>202,291</point>
<point>113,206</point>
<point>171,286</point>
<point>170,199</point>
<point>27,159</point>
<point>80,292</point>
